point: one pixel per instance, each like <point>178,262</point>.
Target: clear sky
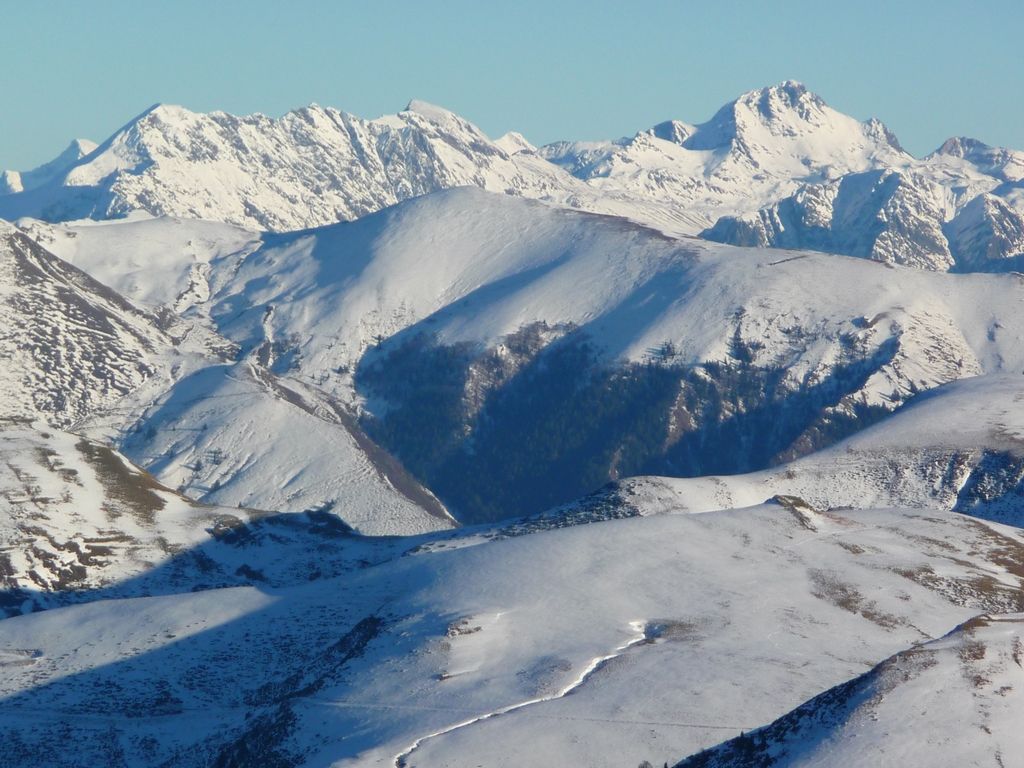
<point>550,70</point>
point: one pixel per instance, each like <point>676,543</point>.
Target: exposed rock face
<point>987,236</point>
<point>881,215</point>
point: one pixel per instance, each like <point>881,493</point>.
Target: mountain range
<point>330,441</point>
<point>777,167</point>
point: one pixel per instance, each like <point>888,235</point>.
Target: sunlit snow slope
<point>602,644</point>
<point>80,355</point>
<point>952,701</point>
<point>821,344</point>
<point>470,266</point>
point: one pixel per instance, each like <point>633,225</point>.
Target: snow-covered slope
<point>470,267</point>
<point>956,153</point>
<point>949,702</point>
<point>959,447</point>
<point>495,280</point>
<point>603,645</point>
<point>236,434</point>
<point>881,215</point>
<point>156,261</point>
<point>78,522</point>
<point>71,345</point>
<point>79,354</point>
<point>475,267</point>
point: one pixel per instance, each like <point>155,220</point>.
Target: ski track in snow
<point>401,760</point>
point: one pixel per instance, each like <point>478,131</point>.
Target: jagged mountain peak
<point>960,146</point>
<point>76,150</point>
<point>787,112</point>
<point>766,106</point>
<point>513,142</point>
<point>675,131</point>
<point>312,166</point>
<point>774,100</point>
<point>12,182</point>
<point>317,165</point>
<point>997,162</point>
<point>430,111</point>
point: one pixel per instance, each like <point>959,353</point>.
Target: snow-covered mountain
<point>956,447</point>
<point>881,215</point>
<point>470,267</point>
<point>539,641</point>
<point>311,167</point>
<point>79,355</point>
<point>960,207</point>
<point>766,170</point>
<point>815,459</point>
<point>756,149</point>
<point>434,313</point>
<point>236,434</point>
<point>12,182</point>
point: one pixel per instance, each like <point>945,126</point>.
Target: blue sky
<point>550,70</point>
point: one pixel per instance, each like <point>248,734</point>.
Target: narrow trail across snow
<point>402,759</point>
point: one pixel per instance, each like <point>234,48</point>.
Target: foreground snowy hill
<point>951,701</point>
<point>776,167</point>
<point>671,633</point>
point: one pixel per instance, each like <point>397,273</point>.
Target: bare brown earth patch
<point>131,490</point>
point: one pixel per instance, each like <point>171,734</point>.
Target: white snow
<point>743,614</point>
<point>266,627</point>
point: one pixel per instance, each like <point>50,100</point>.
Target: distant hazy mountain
<point>960,207</point>
<point>12,182</point>
<point>777,167</point>
<point>757,149</point>
<point>313,166</point>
